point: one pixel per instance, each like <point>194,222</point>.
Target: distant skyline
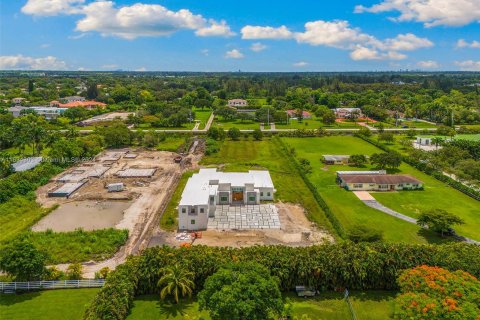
<point>252,36</point>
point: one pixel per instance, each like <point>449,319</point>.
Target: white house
<point>377,181</point>
<point>347,112</point>
<point>48,112</point>
<point>72,99</point>
<point>209,188</point>
<point>237,103</point>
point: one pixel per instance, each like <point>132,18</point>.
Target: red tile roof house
<point>377,182</point>
<point>293,114</point>
<point>89,105</point>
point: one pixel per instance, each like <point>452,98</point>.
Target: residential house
<point>293,114</point>
<point>237,103</point>
<point>335,159</point>
<point>89,105</point>
<point>209,188</point>
<point>48,112</point>
<point>377,181</point>
<point>72,99</point>
<point>18,101</point>
<point>345,113</point>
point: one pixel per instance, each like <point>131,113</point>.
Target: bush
<point>74,271</point>
<point>363,233</point>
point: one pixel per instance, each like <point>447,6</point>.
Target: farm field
<point>246,155</point>
<point>351,211</point>
<point>47,305</point>
<point>375,305</point>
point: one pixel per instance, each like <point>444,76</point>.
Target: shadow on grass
<point>433,237</point>
<point>169,309</point>
<point>11,299</point>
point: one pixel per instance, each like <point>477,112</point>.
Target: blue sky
<point>208,35</point>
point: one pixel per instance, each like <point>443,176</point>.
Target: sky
<point>246,35</point>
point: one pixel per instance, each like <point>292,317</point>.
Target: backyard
<point>247,155</point>
<point>351,211</point>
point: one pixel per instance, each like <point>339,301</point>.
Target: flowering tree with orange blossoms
<point>436,293</point>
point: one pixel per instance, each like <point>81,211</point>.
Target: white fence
<point>44,285</point>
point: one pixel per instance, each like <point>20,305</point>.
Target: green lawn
<point>242,125</point>
<point>48,305</point>
<point>471,137</point>
<point>314,123</point>
<point>350,211</point>
<point>203,116</point>
<point>374,305</point>
<point>171,143</point>
<point>417,124</point>
<point>244,155</point>
<point>169,220</point>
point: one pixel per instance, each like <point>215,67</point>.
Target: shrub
<point>364,233</point>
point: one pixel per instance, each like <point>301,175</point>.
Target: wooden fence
<point>10,287</point>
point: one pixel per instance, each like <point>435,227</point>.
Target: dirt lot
<point>295,230</point>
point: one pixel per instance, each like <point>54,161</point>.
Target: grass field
<point>267,154</point>
<point>171,143</point>
<point>242,125</point>
<point>17,215</point>
<point>375,305</point>
<point>471,137</point>
<point>418,124</point>
<point>169,221</point>
<point>79,246</point>
<point>351,211</point>
<point>314,124</point>
<point>46,305</point>
<point>203,116</point>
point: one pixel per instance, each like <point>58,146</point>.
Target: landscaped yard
<point>242,125</point>
<point>314,123</point>
<point>351,211</point>
<point>245,155</point>
<point>328,306</point>
<point>49,305</point>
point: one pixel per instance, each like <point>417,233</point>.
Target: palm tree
<point>174,281</point>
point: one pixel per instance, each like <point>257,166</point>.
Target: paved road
<point>377,205</point>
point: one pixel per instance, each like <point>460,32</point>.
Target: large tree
<point>438,220</point>
<point>241,291</point>
<point>23,261</point>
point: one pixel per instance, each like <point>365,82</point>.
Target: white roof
<point>26,164</point>
<point>335,157</point>
<point>347,109</point>
<point>198,187</point>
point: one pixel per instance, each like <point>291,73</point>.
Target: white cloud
<point>45,45</point>
<point>20,62</point>
<point>300,64</point>
<point>468,65</point>
<point>464,44</point>
<point>129,21</point>
<point>430,12</point>
<point>339,34</point>
<point>259,32</point>
<point>51,7</point>
<point>257,47</point>
<point>428,64</point>
<point>205,52</point>
<point>234,54</point>
<point>141,69</point>
<point>407,42</point>
<point>215,30</point>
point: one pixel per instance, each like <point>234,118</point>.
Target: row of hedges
<point>326,267</point>
<point>321,202</point>
<point>428,170</point>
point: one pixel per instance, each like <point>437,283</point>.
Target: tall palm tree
<point>175,281</point>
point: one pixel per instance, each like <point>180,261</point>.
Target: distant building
<point>48,112</point>
<point>89,105</point>
<point>347,112</point>
<point>335,159</point>
<point>293,114</point>
<point>72,99</point>
<point>424,141</point>
<point>237,103</point>
<point>377,181</point>
<point>208,189</point>
<point>18,101</point>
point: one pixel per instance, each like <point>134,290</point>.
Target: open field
<point>246,155</point>
<point>47,305</point>
<point>314,124</point>
<point>350,211</point>
<point>374,305</point>
<point>242,125</point>
<point>202,116</point>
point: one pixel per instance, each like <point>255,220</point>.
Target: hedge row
<point>318,198</point>
<point>326,267</point>
<point>430,171</point>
